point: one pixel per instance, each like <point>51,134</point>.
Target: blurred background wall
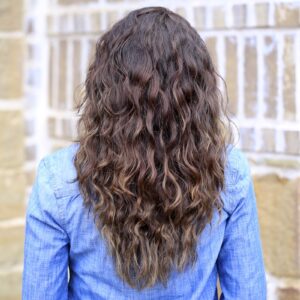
<point>45,47</point>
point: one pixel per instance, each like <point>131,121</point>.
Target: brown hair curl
<point>152,143</point>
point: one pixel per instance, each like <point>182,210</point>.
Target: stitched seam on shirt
<point>60,212</point>
<point>240,172</point>
<point>60,190</point>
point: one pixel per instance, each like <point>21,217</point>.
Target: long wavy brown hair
<point>152,143</point>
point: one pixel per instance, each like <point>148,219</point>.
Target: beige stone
<point>11,68</point>
<point>219,290</point>
<point>62,75</point>
<point>211,44</point>
<point>12,196</point>
<point>80,25</point>
<point>11,247</point>
<point>181,11</point>
<point>11,139</point>
<point>51,75</point>
<point>67,2</point>
<point>247,136</point>
<point>200,17</point>
<point>51,127</point>
<point>63,23</point>
<point>278,201</point>
<point>292,142</point>
<point>287,14</point>
<point>239,15</point>
<point>11,15</point>
<point>68,129</point>
<point>95,22</point>
<point>77,81</point>
<point>218,16</point>
<point>250,77</point>
<point>11,286</point>
<point>288,293</point>
<point>30,177</point>
<point>282,163</point>
<point>289,78</point>
<point>50,24</point>
<point>92,51</point>
<point>231,73</point>
<point>112,18</point>
<point>270,78</point>
<point>29,127</point>
<point>268,138</point>
<point>262,14</point>
<point>30,152</point>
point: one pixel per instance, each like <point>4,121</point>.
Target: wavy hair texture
<point>152,142</point>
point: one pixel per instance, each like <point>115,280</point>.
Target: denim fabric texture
<point>60,234</point>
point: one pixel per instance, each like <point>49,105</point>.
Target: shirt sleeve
<point>240,262</point>
<point>46,245</point>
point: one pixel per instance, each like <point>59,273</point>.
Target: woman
<point>152,201</point>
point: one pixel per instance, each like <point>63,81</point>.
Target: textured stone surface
<point>11,15</point>
<point>67,128</point>
<point>62,95</point>
<point>239,15</point>
<point>292,142</point>
<point>95,22</point>
<point>289,293</point>
<point>262,14</point>
<point>232,72</point>
<point>11,247</point>
<point>11,151</point>
<point>112,18</point>
<point>247,136</point>
<point>181,11</point>
<point>80,23</point>
<point>11,286</point>
<point>92,51</point>
<point>282,163</point>
<point>211,44</point>
<point>270,91</point>
<point>78,79</point>
<point>289,78</point>
<point>278,201</point>
<point>218,15</point>
<point>268,137</point>
<point>200,17</point>
<point>287,14</point>
<point>12,187</point>
<point>30,177</point>
<point>66,2</point>
<point>51,78</point>
<point>250,77</point>
<point>30,152</point>
<point>51,127</point>
<point>11,68</point>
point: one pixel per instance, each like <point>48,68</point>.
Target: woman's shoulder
<point>237,176</point>
<point>61,170</point>
<point>236,165</point>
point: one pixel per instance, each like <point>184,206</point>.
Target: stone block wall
<point>12,139</point>
<point>255,46</point>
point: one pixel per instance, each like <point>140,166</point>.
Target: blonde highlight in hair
<point>152,143</point>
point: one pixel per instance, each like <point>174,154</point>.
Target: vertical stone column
<point>12,179</point>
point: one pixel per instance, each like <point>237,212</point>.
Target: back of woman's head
<point>152,143</point>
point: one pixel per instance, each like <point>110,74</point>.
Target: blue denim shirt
<point>60,234</point>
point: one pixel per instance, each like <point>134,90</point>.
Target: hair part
<point>152,143</point>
